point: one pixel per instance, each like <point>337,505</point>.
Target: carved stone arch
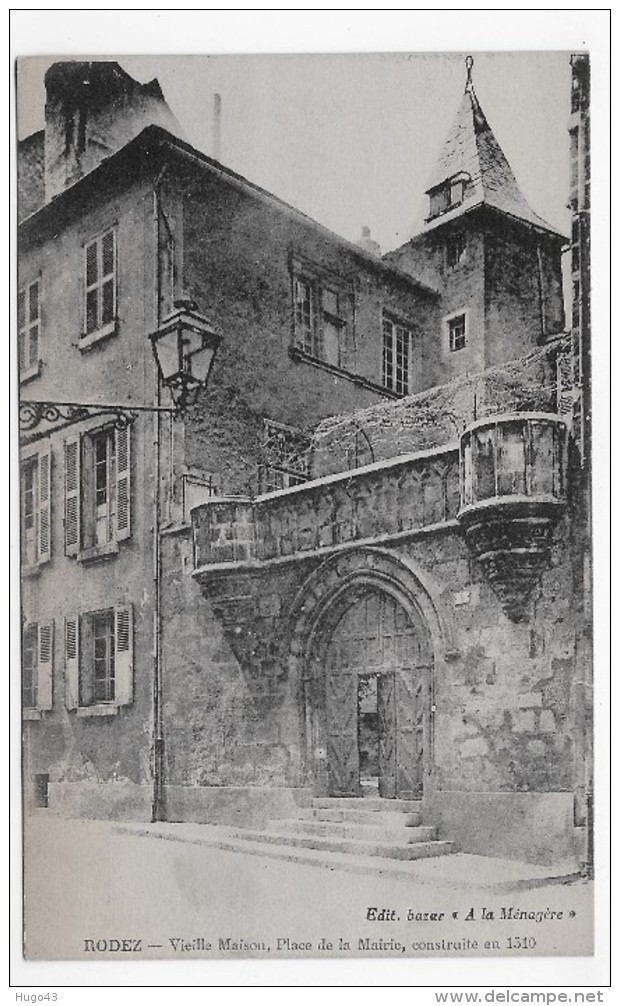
<point>317,609</point>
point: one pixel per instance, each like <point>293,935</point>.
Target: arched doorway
<point>371,665</point>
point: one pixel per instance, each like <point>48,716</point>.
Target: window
<point>29,327</point>
<point>99,659</point>
<point>455,249</point>
<point>322,316</point>
<point>35,508</point>
<point>100,286</point>
<point>457,335</point>
<point>285,457</point>
<point>448,195</point>
<point>397,344</point>
<point>97,491</point>
<point>37,657</point>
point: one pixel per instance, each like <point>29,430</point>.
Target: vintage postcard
<point>305,486</point>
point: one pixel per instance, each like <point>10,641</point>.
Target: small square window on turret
<point>457,332</point>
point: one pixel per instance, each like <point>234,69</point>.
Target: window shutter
<point>45,666</point>
<point>123,655</point>
<point>72,496</point>
<point>72,661</point>
<point>44,550</point>
<point>123,484</point>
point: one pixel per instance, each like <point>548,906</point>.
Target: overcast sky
<point>351,140</point>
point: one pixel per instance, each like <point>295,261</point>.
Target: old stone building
<point>355,568</point>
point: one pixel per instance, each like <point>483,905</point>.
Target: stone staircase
<point>369,826</point>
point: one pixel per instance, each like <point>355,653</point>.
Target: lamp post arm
<point>58,415</point>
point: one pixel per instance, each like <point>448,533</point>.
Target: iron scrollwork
<point>59,414</point>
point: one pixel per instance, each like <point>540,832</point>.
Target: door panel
<point>341,721</point>
<point>386,709</point>
<point>410,705</point>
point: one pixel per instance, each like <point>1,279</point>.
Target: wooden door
<point>376,636</point>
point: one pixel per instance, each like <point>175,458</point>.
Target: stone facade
<point>443,494</point>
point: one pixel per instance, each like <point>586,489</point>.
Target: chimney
<point>368,244</point>
<point>92,110</point>
<point>217,127</point>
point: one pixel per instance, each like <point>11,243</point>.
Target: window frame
<point>455,241</point>
<point>82,520</point>
<point>81,659</point>
<point>270,474</point>
<point>41,671</point>
<point>38,458</point>
<point>449,321</point>
<point>32,366</point>
<point>398,325</point>
<point>310,338</point>
<point>104,326</point>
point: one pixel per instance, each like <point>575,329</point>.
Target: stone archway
<point>366,614</point>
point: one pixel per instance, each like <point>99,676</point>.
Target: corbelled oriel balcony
<point>513,490</point>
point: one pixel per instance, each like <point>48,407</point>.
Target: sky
<point>351,139</point>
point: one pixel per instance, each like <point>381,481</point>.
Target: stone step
<point>371,832</point>
<point>365,803</point>
<point>356,846</point>
<point>344,815</point>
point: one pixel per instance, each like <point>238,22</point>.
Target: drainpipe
<point>159,790</point>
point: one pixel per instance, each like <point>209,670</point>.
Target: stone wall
<point>436,417</point>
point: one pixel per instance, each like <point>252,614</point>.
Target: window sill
<point>32,714</point>
<point>86,342</point>
<point>99,553</point>
<point>30,373</point>
<point>103,709</point>
<point>301,356</point>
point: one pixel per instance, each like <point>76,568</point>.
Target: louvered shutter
<point>72,495</point>
<point>123,484</point>
<point>45,666</point>
<point>45,488</point>
<point>123,655</point>
<point>72,661</point>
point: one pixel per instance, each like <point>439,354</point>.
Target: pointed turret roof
<point>472,152</point>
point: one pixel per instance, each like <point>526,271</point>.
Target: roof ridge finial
<point>469,84</point>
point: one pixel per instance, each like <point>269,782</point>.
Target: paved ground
<point>90,883</point>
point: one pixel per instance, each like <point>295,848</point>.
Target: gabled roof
<point>137,156</point>
<point>471,149</point>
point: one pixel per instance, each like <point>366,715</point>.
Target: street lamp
<point>184,346</point>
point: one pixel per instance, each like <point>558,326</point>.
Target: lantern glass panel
<point>167,352</point>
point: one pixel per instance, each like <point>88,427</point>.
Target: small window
<point>397,348</point>
<point>37,660</point>
<point>30,651</point>
<point>97,682</point>
<point>321,317</point>
<point>457,333</point>
<point>99,658</point>
<point>97,490</point>
<point>285,457</point>
<point>35,508</point>
<point>455,249</point>
<point>29,329</point>
<point>100,286</point>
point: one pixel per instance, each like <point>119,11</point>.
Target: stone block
<point>524,721</point>
<point>474,747</point>
<point>546,723</point>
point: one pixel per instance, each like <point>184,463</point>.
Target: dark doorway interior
<point>368,733</point>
